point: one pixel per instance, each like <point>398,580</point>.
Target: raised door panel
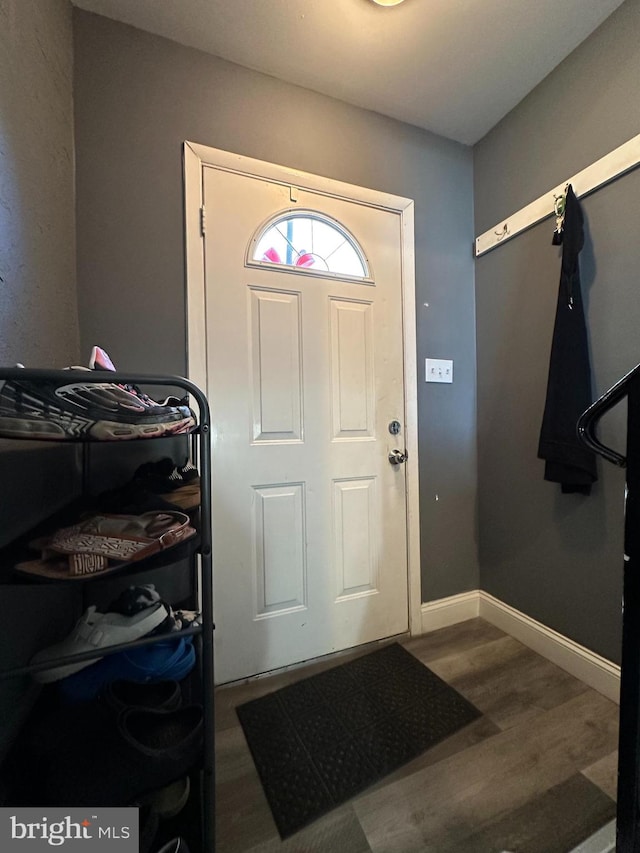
<point>352,378</point>
<point>276,366</point>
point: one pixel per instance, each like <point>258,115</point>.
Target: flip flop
<point>106,543</point>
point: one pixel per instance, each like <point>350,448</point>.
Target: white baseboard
<point>450,611</point>
<point>594,670</point>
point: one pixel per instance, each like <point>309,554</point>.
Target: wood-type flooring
<point>535,774</point>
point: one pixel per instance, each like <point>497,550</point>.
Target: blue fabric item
<point>167,659</point>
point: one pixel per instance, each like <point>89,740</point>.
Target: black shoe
<point>161,695</point>
<point>169,801</point>
<point>146,750</point>
<point>134,599</point>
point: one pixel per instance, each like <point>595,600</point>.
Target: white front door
<point>305,381</point>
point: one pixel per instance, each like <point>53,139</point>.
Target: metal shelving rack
<point>201,454</point>
<point>628,807</point>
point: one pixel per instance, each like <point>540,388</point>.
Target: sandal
<point>105,543</point>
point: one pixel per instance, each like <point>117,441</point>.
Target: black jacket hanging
<point>568,462</point>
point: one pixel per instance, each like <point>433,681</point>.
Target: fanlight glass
<point>310,241</point>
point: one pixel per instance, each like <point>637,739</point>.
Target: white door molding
<point>195,158</point>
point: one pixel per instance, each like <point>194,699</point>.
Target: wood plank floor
<point>535,774</point>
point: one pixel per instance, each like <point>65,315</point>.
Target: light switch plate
<point>438,370</point>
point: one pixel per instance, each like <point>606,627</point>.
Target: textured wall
<point>38,309</point>
<point>557,557</point>
<point>138,97</point>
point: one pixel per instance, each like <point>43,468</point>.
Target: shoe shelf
<point>19,551</point>
<point>196,551</point>
<point>75,378</point>
<point>106,651</point>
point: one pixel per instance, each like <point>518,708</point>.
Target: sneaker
<point>133,599</point>
<point>50,410</point>
<point>174,484</point>
<point>160,477</point>
<point>96,631</point>
<point>100,360</point>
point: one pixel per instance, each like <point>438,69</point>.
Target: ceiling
<point>454,67</point>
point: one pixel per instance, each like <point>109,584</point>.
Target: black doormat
<point>320,741</point>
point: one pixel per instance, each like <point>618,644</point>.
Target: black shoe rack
<point>628,800</point>
<point>193,558</point>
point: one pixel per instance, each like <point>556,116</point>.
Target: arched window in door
<point>305,240</point>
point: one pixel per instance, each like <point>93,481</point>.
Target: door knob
<point>397,457</point>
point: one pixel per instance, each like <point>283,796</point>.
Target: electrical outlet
<point>438,370</point>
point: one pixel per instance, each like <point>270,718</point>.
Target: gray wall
<point>137,98</point>
<point>557,557</point>
<point>38,310</point>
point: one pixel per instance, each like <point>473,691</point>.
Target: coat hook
<point>559,204</point>
<point>502,234</point>
<point>559,207</point>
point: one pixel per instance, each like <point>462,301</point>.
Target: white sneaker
<point>96,631</point>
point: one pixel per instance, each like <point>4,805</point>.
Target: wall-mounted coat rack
<point>603,171</point>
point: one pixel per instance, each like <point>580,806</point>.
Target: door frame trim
<point>195,158</point>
